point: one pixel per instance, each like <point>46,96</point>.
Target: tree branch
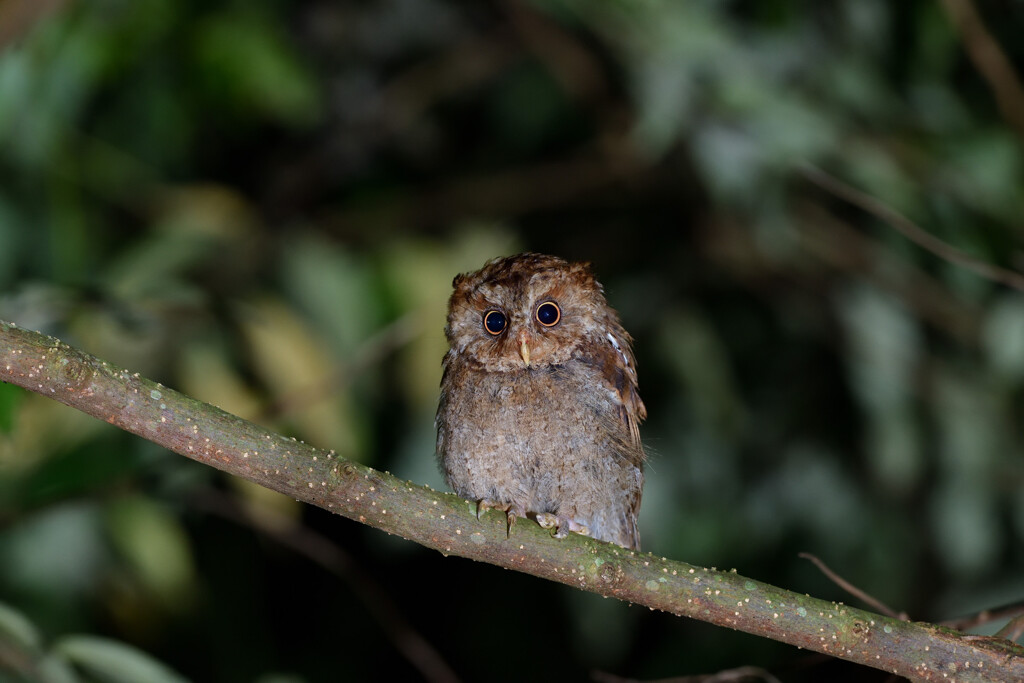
<point>445,522</point>
<point>853,590</point>
<point>990,61</point>
<point>912,230</point>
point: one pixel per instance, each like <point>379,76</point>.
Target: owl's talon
<point>577,528</point>
<point>561,526</point>
<point>546,520</point>
<point>483,505</point>
<point>511,514</point>
<point>511,510</point>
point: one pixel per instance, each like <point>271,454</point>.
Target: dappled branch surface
<point>446,523</point>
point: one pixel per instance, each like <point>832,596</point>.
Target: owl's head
<point>529,311</point>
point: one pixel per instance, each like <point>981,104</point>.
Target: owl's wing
<point>440,424</point>
<point>620,373</point>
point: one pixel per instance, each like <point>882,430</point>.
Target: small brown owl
<point>539,408</point>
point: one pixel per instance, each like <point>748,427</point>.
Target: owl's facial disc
<point>511,325</point>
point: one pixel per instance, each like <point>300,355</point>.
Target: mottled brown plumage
<point>539,408</point>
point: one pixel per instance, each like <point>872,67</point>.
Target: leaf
<point>155,544</point>
<point>114,662</point>
<point>36,552</point>
<point>294,359</point>
<point>246,61</point>
<point>1002,338</point>
<point>15,628</point>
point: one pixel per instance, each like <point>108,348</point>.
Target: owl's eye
<point>548,314</point>
<point>495,322</point>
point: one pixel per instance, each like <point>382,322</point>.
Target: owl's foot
<point>561,525</point>
<point>511,510</point>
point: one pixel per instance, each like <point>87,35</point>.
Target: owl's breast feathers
<point>615,373</point>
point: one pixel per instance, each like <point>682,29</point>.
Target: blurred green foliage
<point>263,204</point>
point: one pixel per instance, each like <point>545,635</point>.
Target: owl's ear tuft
<point>582,268</point>
<point>585,275</point>
<point>458,280</point>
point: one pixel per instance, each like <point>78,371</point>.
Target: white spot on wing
<point>615,343</point>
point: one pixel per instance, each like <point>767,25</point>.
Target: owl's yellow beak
<point>524,347</point>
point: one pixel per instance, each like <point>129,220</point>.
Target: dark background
<point>262,204</point>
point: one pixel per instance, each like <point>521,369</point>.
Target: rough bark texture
<point>918,651</point>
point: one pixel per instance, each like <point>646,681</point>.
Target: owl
<point>539,409</point>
